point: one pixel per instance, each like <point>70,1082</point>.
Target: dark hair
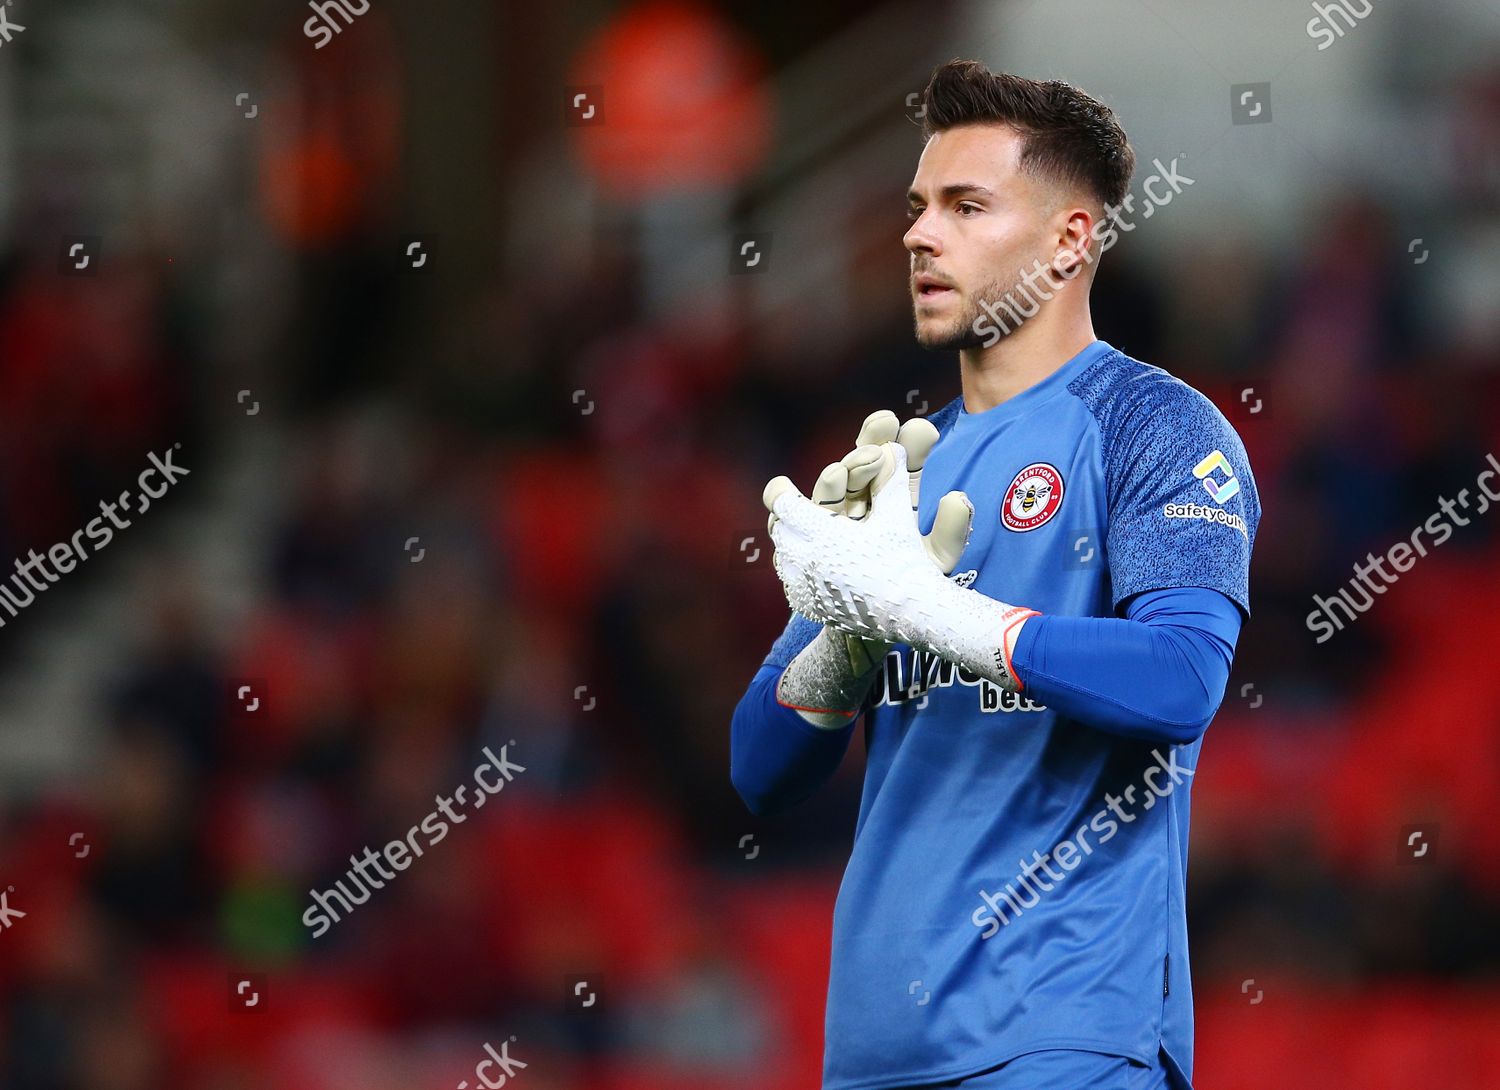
<point>1067,136</point>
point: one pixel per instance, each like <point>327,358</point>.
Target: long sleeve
<point>1157,675</point>
<point>777,758</point>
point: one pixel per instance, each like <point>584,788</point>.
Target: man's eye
<point>913,213</point>
<point>966,207</point>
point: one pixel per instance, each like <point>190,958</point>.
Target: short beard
<point>961,334</point>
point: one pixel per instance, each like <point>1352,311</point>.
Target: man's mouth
<point>930,289</point>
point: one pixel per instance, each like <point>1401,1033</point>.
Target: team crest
<point>1034,496</point>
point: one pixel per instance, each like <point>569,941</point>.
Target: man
<point>1012,912</point>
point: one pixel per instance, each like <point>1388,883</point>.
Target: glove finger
<point>884,470</point>
<point>879,427</point>
<point>862,463</point>
<point>891,491</point>
<point>918,436</point>
<point>775,488</point>
<point>792,509</point>
<point>830,488</point>
<point>950,531</point>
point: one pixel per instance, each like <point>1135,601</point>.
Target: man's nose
<point>920,240</point>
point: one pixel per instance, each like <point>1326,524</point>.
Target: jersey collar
<point>1035,394</point>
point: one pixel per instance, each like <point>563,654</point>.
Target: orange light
<point>681,105</point>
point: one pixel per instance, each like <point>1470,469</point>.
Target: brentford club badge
<point>1033,497</point>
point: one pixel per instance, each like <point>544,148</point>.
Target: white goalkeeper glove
<point>845,488</point>
<point>829,678</point>
<point>876,578</point>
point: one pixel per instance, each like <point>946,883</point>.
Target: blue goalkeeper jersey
<point>1017,878</point>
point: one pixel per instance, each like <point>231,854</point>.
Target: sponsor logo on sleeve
<point>1220,491</point>
<point>1204,471</point>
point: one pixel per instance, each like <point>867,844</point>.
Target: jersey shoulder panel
<point>1178,483</point>
<point>943,419</point>
<point>1145,413</point>
<point>1135,402</point>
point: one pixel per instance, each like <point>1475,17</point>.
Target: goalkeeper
<point>1036,672</point>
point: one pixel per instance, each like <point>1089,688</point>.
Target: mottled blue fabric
<point>1149,422</point>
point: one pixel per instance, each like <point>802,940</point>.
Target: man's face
<point>978,222</point>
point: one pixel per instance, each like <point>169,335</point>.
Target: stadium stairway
<point>206,541</point>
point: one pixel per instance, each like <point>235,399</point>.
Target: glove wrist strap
<point>978,632</point>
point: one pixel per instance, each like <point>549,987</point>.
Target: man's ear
<point>1074,244</point>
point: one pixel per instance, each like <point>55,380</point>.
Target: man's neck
<point>993,375</point>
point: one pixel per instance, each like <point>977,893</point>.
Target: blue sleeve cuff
<point>777,758</point>
<point>1157,675</point>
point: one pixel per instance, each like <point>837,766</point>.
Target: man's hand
<point>876,578</point>
<point>829,678</point>
<point>845,488</point>
<point>858,576</point>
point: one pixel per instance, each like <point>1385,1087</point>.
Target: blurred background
<point>479,327</point>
